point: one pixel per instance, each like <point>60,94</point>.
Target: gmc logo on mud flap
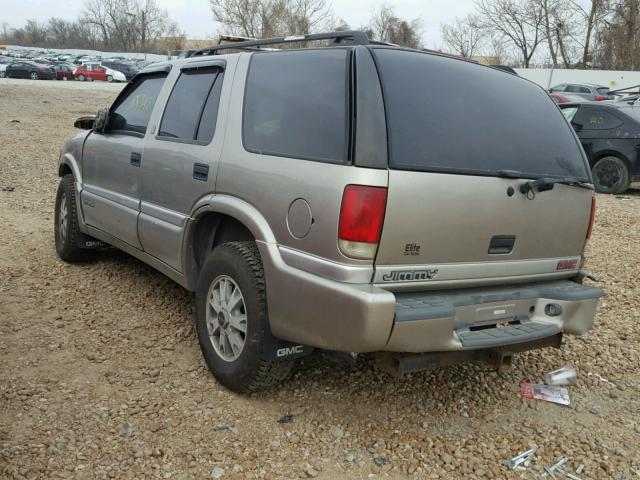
<point>286,351</point>
<point>410,275</point>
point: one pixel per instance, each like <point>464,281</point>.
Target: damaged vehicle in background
<point>610,135</point>
<point>446,224</point>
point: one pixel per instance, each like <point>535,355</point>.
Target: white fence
<point>549,77</point>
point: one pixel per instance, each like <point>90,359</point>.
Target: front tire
<point>66,229</point>
<point>81,77</point>
<point>2,74</point>
<point>611,175</point>
<point>34,76</point>
<point>232,319</point>
<point>109,78</point>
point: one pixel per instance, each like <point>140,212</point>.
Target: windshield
<point>446,115</point>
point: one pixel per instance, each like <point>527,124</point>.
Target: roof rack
<point>352,37</point>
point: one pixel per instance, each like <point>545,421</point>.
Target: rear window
<point>296,105</point>
<point>446,115</point>
<point>603,90</point>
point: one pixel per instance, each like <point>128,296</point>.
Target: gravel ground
<point>101,375</point>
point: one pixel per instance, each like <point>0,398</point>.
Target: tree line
<point>142,26</point>
<point>601,34</point>
<point>111,25</point>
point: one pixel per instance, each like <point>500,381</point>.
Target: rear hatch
<point>463,138</point>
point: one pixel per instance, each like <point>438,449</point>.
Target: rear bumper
<point>324,313</point>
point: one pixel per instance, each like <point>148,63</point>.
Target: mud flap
<point>277,350</point>
<point>89,243</point>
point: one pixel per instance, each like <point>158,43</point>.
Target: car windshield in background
<point>453,116</point>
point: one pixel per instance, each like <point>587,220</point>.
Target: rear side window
<point>132,112</point>
<point>603,90</point>
<point>296,104</point>
<point>596,119</point>
<point>447,115</point>
<point>195,96</point>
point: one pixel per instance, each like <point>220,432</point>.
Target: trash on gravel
<point>547,393</point>
<point>521,460</point>
<point>562,376</point>
<point>286,419</point>
<point>556,471</point>
<point>226,426</point>
<point>8,189</point>
<point>580,468</point>
<point>624,198</point>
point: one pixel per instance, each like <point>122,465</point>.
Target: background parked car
<point>94,71</point>
<point>32,70</point>
<point>590,91</point>
<point>566,98</point>
<point>610,135</point>
<point>64,71</point>
<point>128,68</point>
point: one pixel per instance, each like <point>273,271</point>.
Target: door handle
<point>136,158</point>
<point>200,172</point>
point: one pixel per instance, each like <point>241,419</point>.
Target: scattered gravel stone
<point>217,473</point>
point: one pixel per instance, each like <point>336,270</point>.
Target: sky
<point>195,18</point>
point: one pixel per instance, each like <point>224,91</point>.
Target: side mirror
<point>85,123</point>
<point>101,119</point>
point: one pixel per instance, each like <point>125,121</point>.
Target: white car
<point>116,75</point>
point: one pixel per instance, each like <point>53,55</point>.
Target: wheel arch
<point>220,219</point>
<point>610,153</point>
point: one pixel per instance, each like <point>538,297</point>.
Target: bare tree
<point>464,36</point>
<point>518,21</point>
<point>129,24</point>
<point>386,26</point>
<point>268,18</point>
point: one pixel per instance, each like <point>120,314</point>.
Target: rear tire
<point>109,78</point>
<point>34,76</point>
<point>81,78</point>
<point>66,229</point>
<point>231,293</point>
<point>2,74</point>
<point>611,175</point>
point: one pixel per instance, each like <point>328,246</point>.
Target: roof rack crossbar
<point>357,38</point>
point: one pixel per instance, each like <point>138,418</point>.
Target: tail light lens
<point>361,219</point>
<point>599,98</point>
<point>592,217</point>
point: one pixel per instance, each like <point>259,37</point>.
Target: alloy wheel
<point>226,318</point>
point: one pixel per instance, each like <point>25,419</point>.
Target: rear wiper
<point>543,184</point>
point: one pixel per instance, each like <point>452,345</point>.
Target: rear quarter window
<point>453,116</point>
<point>296,104</point>
<point>596,119</point>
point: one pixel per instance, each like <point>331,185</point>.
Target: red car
<point>64,72</point>
<point>566,98</point>
<point>92,72</point>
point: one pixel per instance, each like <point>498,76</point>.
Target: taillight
<point>361,219</point>
<point>599,98</point>
<point>592,217</point>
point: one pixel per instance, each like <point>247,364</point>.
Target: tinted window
<point>603,90</point>
<point>456,116</point>
<point>572,88</point>
<point>596,119</point>
<point>193,91</point>
<point>296,104</point>
<point>584,90</point>
<point>132,112</point>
